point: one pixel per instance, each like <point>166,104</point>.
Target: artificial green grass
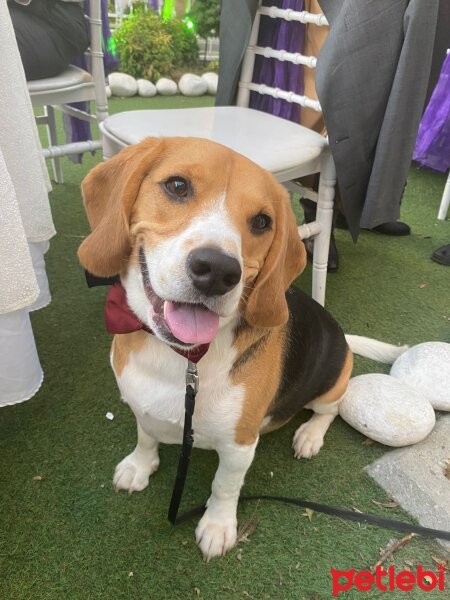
<point>66,535</point>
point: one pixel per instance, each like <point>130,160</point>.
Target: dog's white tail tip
<point>369,348</point>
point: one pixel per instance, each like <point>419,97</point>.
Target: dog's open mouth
<point>186,323</point>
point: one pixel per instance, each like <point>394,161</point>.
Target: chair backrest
<point>95,52</point>
<point>246,84</point>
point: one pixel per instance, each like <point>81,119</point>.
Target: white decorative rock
<point>386,410</point>
<point>212,79</point>
<point>146,89</point>
<point>122,85</point>
<point>192,85</point>
<point>108,91</point>
<point>426,369</point>
<point>166,87</point>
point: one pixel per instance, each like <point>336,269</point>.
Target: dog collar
<point>119,318</point>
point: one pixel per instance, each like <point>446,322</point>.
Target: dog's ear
<point>286,259</point>
<point>109,192</point>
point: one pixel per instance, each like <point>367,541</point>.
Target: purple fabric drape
<point>433,140</point>
<point>77,130</point>
<point>281,35</point>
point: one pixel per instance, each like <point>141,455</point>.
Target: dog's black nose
<point>213,272</point>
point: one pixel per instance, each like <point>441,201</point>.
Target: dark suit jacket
<point>236,18</point>
<point>371,81</point>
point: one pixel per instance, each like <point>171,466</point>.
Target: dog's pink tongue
<point>191,323</point>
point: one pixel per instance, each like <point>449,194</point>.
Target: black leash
<point>336,511</point>
<point>188,441</point>
<point>343,513</point>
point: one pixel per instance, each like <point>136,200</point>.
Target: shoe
<point>333,256</point>
<point>392,228</point>
<point>442,255</point>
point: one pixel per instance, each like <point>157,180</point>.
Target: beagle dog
<point>207,247</point>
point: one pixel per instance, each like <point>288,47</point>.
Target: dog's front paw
<point>307,441</point>
<point>133,472</point>
<point>216,534</point>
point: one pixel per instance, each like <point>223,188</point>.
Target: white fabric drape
<point>25,225</point>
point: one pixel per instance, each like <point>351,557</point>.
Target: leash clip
<point>192,376</point>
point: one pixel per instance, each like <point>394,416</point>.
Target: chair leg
<point>445,202</point>
<point>49,112</point>
<point>324,216</point>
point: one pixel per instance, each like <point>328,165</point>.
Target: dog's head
<point>197,232</point>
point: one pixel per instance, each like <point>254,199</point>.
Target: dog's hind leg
<point>308,439</point>
<point>133,472</point>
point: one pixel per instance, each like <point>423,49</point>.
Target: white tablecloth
<point>25,225</point>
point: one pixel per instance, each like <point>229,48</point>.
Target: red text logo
<point>388,580</point>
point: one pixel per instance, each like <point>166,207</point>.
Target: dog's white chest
<point>153,384</point>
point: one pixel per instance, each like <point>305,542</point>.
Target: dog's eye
<point>260,223</point>
<point>177,187</point>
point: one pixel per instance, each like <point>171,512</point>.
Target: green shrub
<point>144,49</point>
<point>206,17</point>
<point>184,43</point>
<point>150,48</point>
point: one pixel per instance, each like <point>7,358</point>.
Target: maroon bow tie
<point>119,318</point>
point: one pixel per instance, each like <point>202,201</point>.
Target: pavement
<point>415,477</point>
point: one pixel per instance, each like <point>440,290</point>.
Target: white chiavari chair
<point>288,150</point>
